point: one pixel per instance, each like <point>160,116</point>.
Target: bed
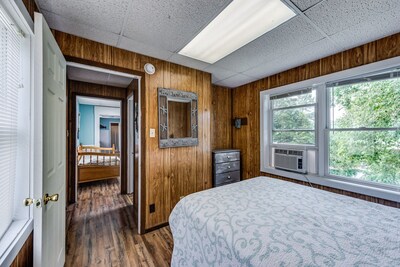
<point>270,222</point>
<point>97,163</point>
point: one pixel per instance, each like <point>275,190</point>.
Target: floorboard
<point>101,231</point>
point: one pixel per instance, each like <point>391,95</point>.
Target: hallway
<point>101,231</point>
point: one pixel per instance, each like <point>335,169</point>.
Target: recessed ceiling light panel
<point>241,22</point>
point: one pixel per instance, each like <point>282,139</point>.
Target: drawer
<point>226,167</point>
<point>228,177</point>
<point>226,157</point>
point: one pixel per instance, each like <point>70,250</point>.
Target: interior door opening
<point>99,125</point>
<point>98,138</point>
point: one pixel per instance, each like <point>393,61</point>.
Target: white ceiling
<point>97,77</point>
<point>161,28</point>
<point>97,102</point>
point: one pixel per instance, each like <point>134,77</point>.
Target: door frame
<point>71,141</point>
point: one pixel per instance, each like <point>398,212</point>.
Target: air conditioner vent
<point>295,152</point>
<point>281,151</point>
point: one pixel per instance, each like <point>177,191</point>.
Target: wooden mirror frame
<point>165,95</point>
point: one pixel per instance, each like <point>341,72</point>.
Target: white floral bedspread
<point>269,222</point>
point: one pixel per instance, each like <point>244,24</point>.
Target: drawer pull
<point>228,157</point>
<point>229,167</point>
<point>229,177</point>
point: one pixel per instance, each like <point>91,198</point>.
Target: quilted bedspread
<point>269,222</point>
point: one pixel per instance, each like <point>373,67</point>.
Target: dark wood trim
<point>124,146</point>
<point>143,153</point>
<point>156,227</point>
<point>71,144</point>
<point>25,255</point>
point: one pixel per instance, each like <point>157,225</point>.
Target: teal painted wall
<point>86,134</point>
<point>106,122</point>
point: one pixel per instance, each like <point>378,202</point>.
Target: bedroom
<point>328,68</point>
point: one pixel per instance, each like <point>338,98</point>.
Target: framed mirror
<point>177,118</point>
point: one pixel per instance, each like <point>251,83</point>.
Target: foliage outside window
<point>364,136</point>
<point>293,117</point>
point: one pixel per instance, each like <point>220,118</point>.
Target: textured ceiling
<point>96,77</point>
<point>98,102</point>
<point>161,28</point>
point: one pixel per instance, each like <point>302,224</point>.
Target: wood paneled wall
<point>168,173</point>
<point>175,172</point>
<point>30,7</point>
<point>246,98</point>
<point>221,117</point>
<point>25,255</point>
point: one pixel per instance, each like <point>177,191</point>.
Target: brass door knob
<point>48,198</point>
<point>28,201</point>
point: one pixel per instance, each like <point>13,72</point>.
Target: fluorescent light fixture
<point>239,23</point>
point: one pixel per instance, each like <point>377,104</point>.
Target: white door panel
<point>50,138</point>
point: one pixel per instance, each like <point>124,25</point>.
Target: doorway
<point>98,140</point>
<point>85,81</point>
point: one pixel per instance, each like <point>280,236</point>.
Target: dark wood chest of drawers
<point>226,166</point>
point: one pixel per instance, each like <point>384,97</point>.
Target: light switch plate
<point>152,132</point>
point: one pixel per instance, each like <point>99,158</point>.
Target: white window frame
<point>20,229</point>
<point>322,177</point>
<point>298,146</point>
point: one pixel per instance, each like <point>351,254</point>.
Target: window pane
<point>295,100</point>
<point>366,155</point>
<point>371,104</point>
<point>294,118</point>
<point>294,137</point>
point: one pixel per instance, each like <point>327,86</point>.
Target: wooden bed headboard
<point>96,151</point>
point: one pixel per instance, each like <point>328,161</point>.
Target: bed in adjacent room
<point>97,163</point>
<point>270,222</point>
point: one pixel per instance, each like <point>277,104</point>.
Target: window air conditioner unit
<point>291,160</point>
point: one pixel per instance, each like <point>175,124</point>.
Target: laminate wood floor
<point>101,231</point>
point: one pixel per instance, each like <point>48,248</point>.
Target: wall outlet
<point>152,208</point>
<point>152,132</point>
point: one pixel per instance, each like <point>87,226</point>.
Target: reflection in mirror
<point>179,119</point>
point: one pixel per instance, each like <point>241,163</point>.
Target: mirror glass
<point>179,119</point>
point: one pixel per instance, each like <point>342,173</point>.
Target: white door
<point>50,141</point>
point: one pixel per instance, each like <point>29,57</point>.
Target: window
<point>15,137</point>
<point>364,121</point>
<point>293,117</point>
<point>348,125</point>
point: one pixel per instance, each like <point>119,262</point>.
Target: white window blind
<point>10,83</point>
